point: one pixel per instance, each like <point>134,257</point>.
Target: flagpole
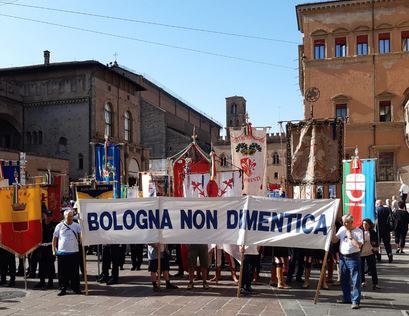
<point>215,260</point>
<point>322,275</point>
<point>25,274</point>
<point>241,271</point>
<point>159,270</point>
<point>84,260</point>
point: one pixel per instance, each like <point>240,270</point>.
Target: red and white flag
<point>249,152</point>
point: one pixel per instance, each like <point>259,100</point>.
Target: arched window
<point>128,126</point>
<point>276,158</point>
<point>108,119</point>
<point>62,144</point>
<point>223,160</point>
<point>234,108</point>
<point>80,161</point>
<point>35,140</point>
<point>40,137</point>
<point>28,138</point>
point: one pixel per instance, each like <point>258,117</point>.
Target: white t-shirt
<point>404,188</point>
<point>251,250</point>
<point>346,247</point>
<point>67,237</point>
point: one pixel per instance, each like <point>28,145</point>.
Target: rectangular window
<point>319,49</point>
<point>386,166</point>
<point>385,110</point>
<point>340,47</point>
<point>341,110</point>
<point>384,43</point>
<point>362,45</point>
<point>405,41</point>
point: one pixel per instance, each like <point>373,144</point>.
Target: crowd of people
<point>354,253</point>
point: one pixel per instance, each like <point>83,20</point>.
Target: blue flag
<point>108,165</point>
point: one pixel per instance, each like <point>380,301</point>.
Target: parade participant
<point>110,254</point>
<point>370,238</point>
<point>7,266</point>
<point>402,221</point>
<point>403,192</point>
<point>136,256</point>
<point>65,247</point>
<point>383,229</point>
<point>296,261</point>
<point>279,255</point>
<point>351,241</point>
<point>195,251</point>
<point>394,203</point>
<point>164,265</point>
<point>46,258</point>
<point>249,266</point>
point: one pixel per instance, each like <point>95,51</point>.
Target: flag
<point>249,152</point>
<point>108,165</point>
<point>358,189</point>
<point>101,191</point>
<point>10,170</point>
<point>20,219</point>
<point>54,198</point>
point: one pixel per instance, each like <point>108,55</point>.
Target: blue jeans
<point>351,273</point>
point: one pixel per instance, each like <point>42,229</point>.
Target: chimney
<point>46,57</point>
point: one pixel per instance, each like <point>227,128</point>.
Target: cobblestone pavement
<point>134,296</point>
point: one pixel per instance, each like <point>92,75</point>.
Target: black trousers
<point>68,271</point>
<point>400,236</point>
<point>137,255</point>
<point>7,265</point>
<point>249,266</point>
<point>111,254</point>
<point>297,260</point>
<point>46,263</point>
<point>371,263</point>
<point>385,236</point>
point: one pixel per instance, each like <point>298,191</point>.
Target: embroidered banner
<point>234,220</point>
<point>249,152</point>
<point>108,165</point>
<point>20,218</point>
<point>315,152</point>
<point>358,189</point>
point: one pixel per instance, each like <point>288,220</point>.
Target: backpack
<point>392,221</point>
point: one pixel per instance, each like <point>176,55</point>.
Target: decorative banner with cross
<point>249,151</point>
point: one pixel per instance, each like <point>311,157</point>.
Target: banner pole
<point>322,275</point>
<point>241,273</point>
<point>25,274</point>
<point>84,260</point>
<point>216,267</point>
<point>159,271</point>
<point>99,272</point>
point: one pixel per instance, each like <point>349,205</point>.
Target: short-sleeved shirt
<point>251,250</point>
<point>153,252</point>
<point>346,247</point>
<point>67,237</point>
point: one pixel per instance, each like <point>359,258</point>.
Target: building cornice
<point>336,4</point>
<point>57,102</point>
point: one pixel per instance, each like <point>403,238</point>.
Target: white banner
<point>234,220</point>
<point>249,152</point>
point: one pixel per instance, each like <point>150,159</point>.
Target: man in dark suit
<point>384,231</point>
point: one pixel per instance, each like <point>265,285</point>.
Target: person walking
<point>403,191</point>
<point>402,221</point>
<point>383,229</point>
<point>351,240</point>
<point>367,252</point>
<point>65,246</point>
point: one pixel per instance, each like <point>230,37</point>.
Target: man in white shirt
<point>404,190</point>
<point>351,240</point>
<point>65,247</point>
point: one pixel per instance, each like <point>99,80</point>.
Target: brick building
<point>167,121</point>
<point>357,54</point>
<point>58,110</point>
<point>276,145</point>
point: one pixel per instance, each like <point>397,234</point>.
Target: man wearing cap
<point>46,262</point>
<point>67,236</point>
<point>351,240</point>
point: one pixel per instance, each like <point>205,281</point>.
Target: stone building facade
<point>60,110</point>
<point>357,54</point>
<point>167,122</point>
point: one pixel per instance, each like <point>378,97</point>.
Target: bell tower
<point>235,111</point>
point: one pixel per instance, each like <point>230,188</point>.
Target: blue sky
<point>272,92</point>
